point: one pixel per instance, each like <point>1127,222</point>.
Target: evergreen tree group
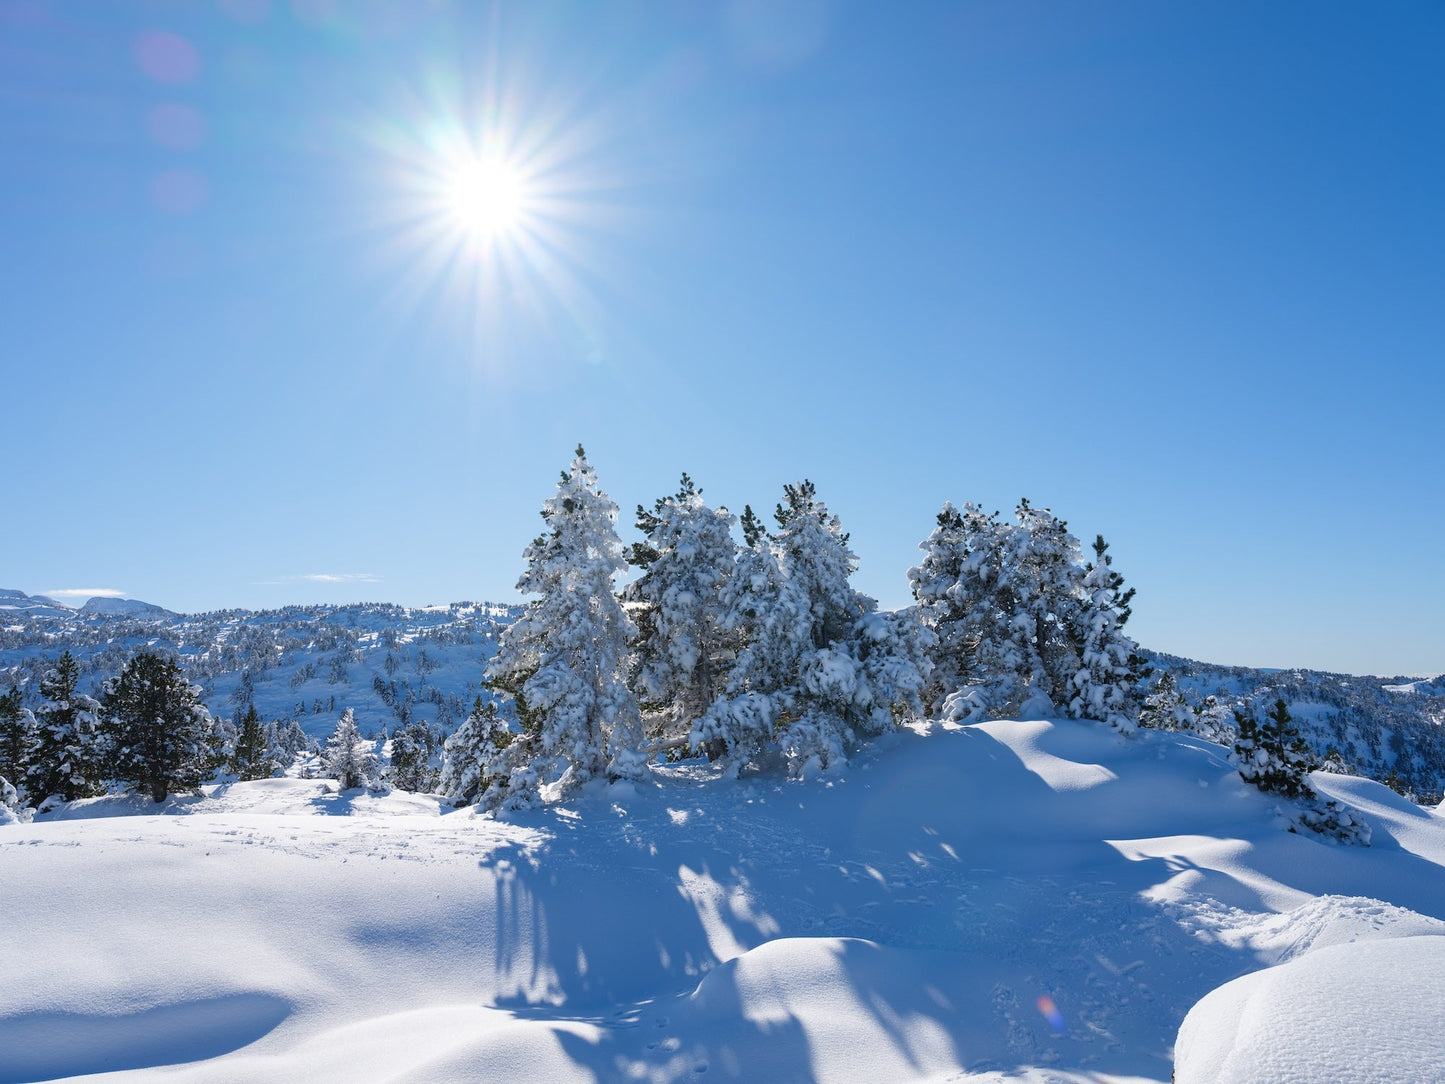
<point>729,650</point>
<point>1024,626</point>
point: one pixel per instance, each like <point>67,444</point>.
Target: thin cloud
<point>323,577</point>
<point>85,592</point>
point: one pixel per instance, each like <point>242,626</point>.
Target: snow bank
<point>1364,1012</point>
<point>1014,900</point>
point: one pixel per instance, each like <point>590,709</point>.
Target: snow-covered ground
<point>1034,900</point>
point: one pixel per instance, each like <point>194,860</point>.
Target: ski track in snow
<point>900,921</point>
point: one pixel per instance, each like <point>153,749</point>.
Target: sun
<point>487,198</point>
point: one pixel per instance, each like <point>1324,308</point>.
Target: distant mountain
<point>18,602</point>
<point>124,607</point>
<point>1373,725</point>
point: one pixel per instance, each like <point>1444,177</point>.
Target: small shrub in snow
<point>1273,757</point>
<point>12,808</point>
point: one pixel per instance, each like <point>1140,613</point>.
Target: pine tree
<point>469,754</point>
<point>348,758</point>
<point>162,738</point>
<point>1104,685</point>
<point>66,759</point>
<point>683,648</point>
<point>565,660</point>
<point>17,739</point>
<point>250,760</point>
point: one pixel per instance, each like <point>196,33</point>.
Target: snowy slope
<point>1010,900</point>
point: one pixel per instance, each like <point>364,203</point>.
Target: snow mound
<point>46,1045</point>
<point>1360,1012</point>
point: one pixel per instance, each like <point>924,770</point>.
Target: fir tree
<point>162,737</point>
<point>348,757</point>
<point>565,660</point>
<point>469,754</point>
<point>250,759</point>
<point>66,759</point>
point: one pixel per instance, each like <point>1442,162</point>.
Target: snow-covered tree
<point>284,739</point>
<point>1105,684</point>
<point>13,809</point>
<point>1270,752</point>
<point>162,739</point>
<point>1165,707</point>
<point>954,586</point>
<point>1272,756</point>
<point>565,660</point>
<point>411,768</point>
<point>1040,592</point>
<point>469,753</point>
<point>66,758</point>
<point>250,759</point>
<point>17,739</point>
<point>819,668</point>
<point>684,650</point>
<point>348,757</point>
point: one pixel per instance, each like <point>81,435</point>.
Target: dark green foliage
<point>1271,754</point>
<point>17,738</point>
<point>161,736</point>
<point>65,759</point>
<point>412,747</point>
<point>250,760</point>
<point>753,529</point>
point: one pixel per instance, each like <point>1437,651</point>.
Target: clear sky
<point>311,301</point>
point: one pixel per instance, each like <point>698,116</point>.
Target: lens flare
<point>1052,1015</point>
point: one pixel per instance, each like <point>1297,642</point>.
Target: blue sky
<point>1173,270</point>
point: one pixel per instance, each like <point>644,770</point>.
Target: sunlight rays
<point>496,201</point>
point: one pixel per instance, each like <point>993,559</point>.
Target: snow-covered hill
<point>1012,900</point>
<point>388,663</point>
<point>391,663</point>
<point>1375,726</point>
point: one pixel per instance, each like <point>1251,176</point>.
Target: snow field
<point>902,920</point>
